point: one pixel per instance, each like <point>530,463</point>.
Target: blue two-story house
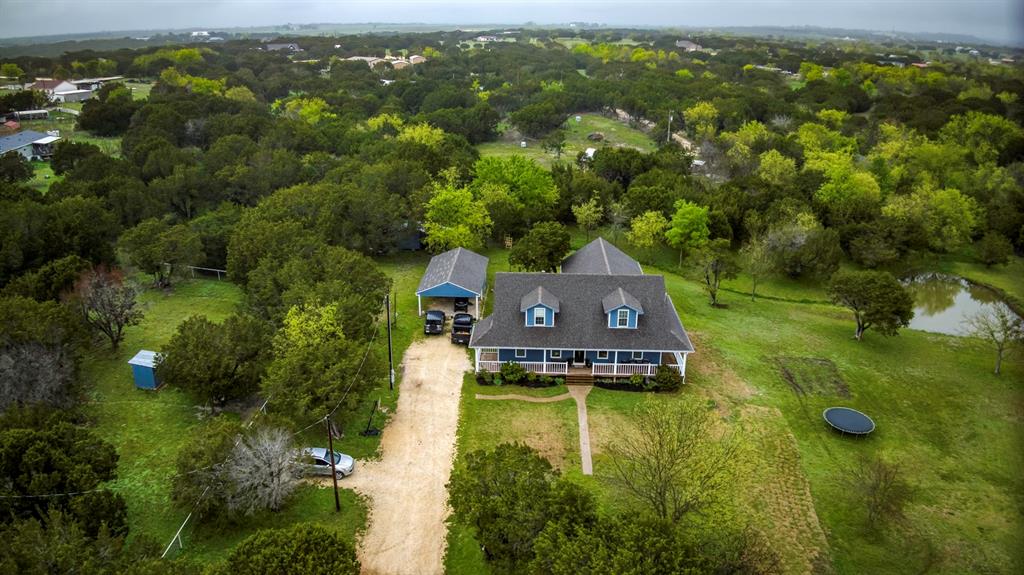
<point>601,317</point>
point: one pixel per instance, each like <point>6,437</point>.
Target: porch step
<point>579,379</point>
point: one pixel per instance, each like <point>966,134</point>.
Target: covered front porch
<point>592,362</point>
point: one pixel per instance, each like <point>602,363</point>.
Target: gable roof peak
<point>539,296</point>
<point>619,298</point>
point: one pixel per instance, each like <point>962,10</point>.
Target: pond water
<point>942,303</point>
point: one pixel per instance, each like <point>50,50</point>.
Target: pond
<point>942,303</point>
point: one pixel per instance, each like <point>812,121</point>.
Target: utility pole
<point>668,134</point>
<point>391,356</point>
<point>330,459</point>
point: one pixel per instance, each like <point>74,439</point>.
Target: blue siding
<point>448,289</point>
<point>651,357</point>
<point>145,377</point>
<point>592,357</point>
<point>566,355</point>
<point>510,355</point>
<point>613,317</point>
<point>549,316</point>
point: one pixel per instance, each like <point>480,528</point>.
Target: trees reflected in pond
<point>942,303</point>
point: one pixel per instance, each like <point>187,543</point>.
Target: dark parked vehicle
<point>434,324</point>
<point>462,327</point>
<point>461,304</point>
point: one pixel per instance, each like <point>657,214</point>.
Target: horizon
<point>1002,23</point>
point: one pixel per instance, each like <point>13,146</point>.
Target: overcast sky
<point>999,20</point>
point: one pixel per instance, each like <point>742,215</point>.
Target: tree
<point>554,142</point>
<point>68,154</point>
<point>541,250</point>
<point>316,366</point>
<point>508,496</point>
<point>217,362</point>
<point>776,169</point>
<point>948,217</point>
<point>756,260</point>
<point>688,228</point>
<point>588,215</point>
<point>801,247</point>
<point>716,262</point>
<point>108,303</point>
<point>200,479</point>
<point>647,230</point>
<point>702,120</point>
<point>302,549</point>
<point>877,299</point>
<point>155,247</point>
<point>997,324</point>
<point>672,459</point>
<point>263,471</point>
<point>38,353</point>
<point>529,185</point>
<point>11,71</point>
<point>51,282</point>
<point>455,219</point>
<point>15,168</point>
<point>993,249</point>
<point>881,488</point>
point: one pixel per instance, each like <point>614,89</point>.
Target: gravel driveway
<point>406,488</point>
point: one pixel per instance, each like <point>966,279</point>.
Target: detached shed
<point>457,273</point>
<point>144,369</point>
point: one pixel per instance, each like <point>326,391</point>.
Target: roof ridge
<point>604,254</point>
<point>455,260</point>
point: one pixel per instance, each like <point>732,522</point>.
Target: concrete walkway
<point>579,394</point>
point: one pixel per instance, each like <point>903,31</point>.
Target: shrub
<point>512,372</point>
<point>484,377</point>
<point>667,379</point>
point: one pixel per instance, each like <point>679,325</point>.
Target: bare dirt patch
<point>812,375</point>
<point>406,490</point>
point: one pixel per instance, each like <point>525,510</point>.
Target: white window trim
<point>602,354</point>
<point>520,353</point>
<point>543,316</point>
<point>619,317</point>
<point>637,355</point>
<point>556,354</point>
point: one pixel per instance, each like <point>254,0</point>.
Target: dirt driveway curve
<point>406,488</point>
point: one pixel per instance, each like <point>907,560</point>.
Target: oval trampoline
<point>847,420</point>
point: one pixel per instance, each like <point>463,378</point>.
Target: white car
<point>316,461</point>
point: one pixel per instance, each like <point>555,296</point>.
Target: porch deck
<point>489,362</point>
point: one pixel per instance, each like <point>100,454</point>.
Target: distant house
<point>371,61</point>
<point>486,39</point>
<point>50,86</point>
<point>92,83</point>
<point>688,46</point>
<point>286,47</point>
<point>600,317</point>
<point>457,273</point>
<point>30,144</point>
<point>416,59</point>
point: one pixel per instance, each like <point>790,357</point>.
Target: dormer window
<point>622,317</point>
<point>539,315</point>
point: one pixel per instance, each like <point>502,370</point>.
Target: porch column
<point>476,307</point>
<point>681,358</point>
<point>419,305</point>
<point>476,361</point>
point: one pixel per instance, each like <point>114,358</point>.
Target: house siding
<point>549,316</point>
<point>510,355</point>
<point>613,317</point>
<point>447,289</point>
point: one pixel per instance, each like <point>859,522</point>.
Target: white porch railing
<point>534,366</point>
<point>627,369</point>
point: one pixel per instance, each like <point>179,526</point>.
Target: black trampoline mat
<point>848,420</point>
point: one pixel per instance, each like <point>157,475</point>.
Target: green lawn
<point>68,131</point>
<point>617,134</point>
<point>43,176</point>
<point>953,428</point>
<point>140,90</point>
<point>149,429</point>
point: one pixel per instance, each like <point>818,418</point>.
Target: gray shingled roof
<point>460,266</point>
<point>539,296</point>
<point>581,322</point>
<point>600,257</point>
<point>19,140</point>
<point>620,297</point>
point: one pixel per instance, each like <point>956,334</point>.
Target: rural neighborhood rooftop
<point>600,257</point>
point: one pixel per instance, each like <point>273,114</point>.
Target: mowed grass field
<point>955,430</point>
<point>150,428</point>
<point>616,134</point>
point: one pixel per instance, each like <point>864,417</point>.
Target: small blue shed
<point>144,369</point>
<point>457,273</point>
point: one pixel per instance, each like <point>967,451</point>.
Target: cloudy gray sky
<point>999,20</point>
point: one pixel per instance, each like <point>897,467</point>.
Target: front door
<point>579,357</point>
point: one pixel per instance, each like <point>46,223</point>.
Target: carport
<point>457,273</point>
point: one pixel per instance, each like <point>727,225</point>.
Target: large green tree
<point>454,218</point>
<point>303,549</point>
<point>541,250</point>
<point>688,228</point>
<point>877,299</point>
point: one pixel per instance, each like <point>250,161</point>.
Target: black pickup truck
<point>462,327</point>
<point>434,324</point>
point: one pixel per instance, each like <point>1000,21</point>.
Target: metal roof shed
<point>456,273</point>
<point>144,369</point>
